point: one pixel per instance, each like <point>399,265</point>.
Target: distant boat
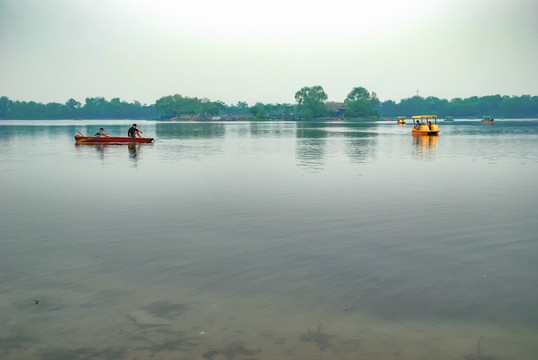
<point>488,120</point>
<point>401,120</point>
<point>449,118</point>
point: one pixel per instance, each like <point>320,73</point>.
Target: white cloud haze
<point>265,51</point>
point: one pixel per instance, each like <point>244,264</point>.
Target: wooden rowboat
<point>110,139</point>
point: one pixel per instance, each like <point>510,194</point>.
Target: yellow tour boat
<point>401,120</point>
<point>424,127</point>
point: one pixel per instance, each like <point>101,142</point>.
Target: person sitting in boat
<point>133,131</point>
<point>430,125</point>
<point>101,132</point>
<point>418,125</point>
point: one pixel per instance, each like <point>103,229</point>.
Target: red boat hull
<point>109,139</point>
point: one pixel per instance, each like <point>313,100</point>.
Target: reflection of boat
<point>110,139</point>
<point>425,146</point>
<point>424,127</point>
<point>449,118</point>
<point>401,120</point>
<point>425,141</point>
<point>488,119</point>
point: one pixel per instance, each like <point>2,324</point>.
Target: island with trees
<point>311,103</point>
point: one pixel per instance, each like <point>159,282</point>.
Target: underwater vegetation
<point>16,340</point>
<point>166,310</point>
<point>84,354</point>
<point>139,325</point>
<point>231,352</point>
<point>479,355</point>
<point>319,338</point>
<point>180,343</point>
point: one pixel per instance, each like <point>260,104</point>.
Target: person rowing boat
<point>101,132</point>
<point>133,131</point>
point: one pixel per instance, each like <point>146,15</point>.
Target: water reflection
<point>36,130</point>
<point>348,267</point>
<point>310,145</point>
<point>100,149</point>
<point>317,141</point>
<point>274,129</point>
<point>190,130</point>
<point>134,151</point>
<point>362,149</point>
<point>425,147</point>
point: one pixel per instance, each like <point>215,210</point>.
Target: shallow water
<point>270,240</point>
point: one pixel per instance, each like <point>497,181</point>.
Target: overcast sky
<point>266,50</point>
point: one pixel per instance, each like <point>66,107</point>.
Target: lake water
<point>269,240</point>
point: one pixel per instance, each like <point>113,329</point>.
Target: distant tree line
<point>93,108</point>
<point>175,106</point>
<point>524,106</point>
<point>311,103</point>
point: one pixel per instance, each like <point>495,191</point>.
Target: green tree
<point>311,102</point>
<point>95,108</point>
<point>5,107</point>
<point>176,105</point>
<point>208,108</point>
<point>73,107</point>
<point>55,110</point>
<point>361,104</point>
<point>258,110</point>
<point>164,107</point>
<point>388,108</point>
<point>242,108</point>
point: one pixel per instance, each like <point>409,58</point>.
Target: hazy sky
<point>266,50</point>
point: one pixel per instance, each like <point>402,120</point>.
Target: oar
<point>81,134</point>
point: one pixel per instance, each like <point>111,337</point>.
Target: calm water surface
<point>273,240</point>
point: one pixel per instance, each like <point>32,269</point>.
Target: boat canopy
<point>425,117</point>
<point>401,117</point>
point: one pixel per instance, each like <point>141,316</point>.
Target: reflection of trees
<point>359,141</point>
<point>273,129</point>
<point>239,129</point>
<point>310,130</point>
<point>425,147</point>
<point>189,130</point>
<point>38,130</point>
<point>310,153</point>
<point>361,146</point>
<point>310,144</point>
<point>7,132</point>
